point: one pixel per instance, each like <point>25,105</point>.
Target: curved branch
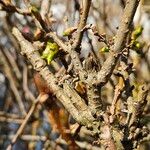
<point>110,63</point>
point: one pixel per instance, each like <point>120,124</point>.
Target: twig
<point>117,94</point>
<point>12,83</point>
<point>28,93</point>
<point>49,32</point>
<point>7,6</point>
<point>12,62</point>
<point>10,120</point>
<point>78,39</point>
<point>108,25</point>
<point>2,113</point>
<point>24,123</point>
<point>58,41</point>
<point>6,117</point>
<point>7,31</point>
<point>93,52</point>
<point>26,137</point>
<point>82,23</point>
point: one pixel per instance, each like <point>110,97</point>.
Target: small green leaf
<point>50,51</point>
<point>136,44</point>
<point>34,9</point>
<point>104,49</point>
<point>137,32</point>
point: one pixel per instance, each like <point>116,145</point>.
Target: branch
<point>109,65</point>
<point>77,42</point>
<point>94,100</point>
<point>79,103</point>
<point>138,105</point>
<point>106,135</point>
<point>40,66</point>
<point>82,23</point>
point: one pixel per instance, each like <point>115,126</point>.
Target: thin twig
<point>12,62</point>
<point>10,120</point>
<point>12,83</point>
<point>2,113</point>
<point>78,39</point>
<point>49,32</point>
<point>82,23</point>
<point>28,93</point>
<point>24,123</point>
<point>93,52</point>
<point>117,94</point>
<point>58,41</point>
<point>25,137</point>
<point>7,6</point>
<point>7,117</point>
